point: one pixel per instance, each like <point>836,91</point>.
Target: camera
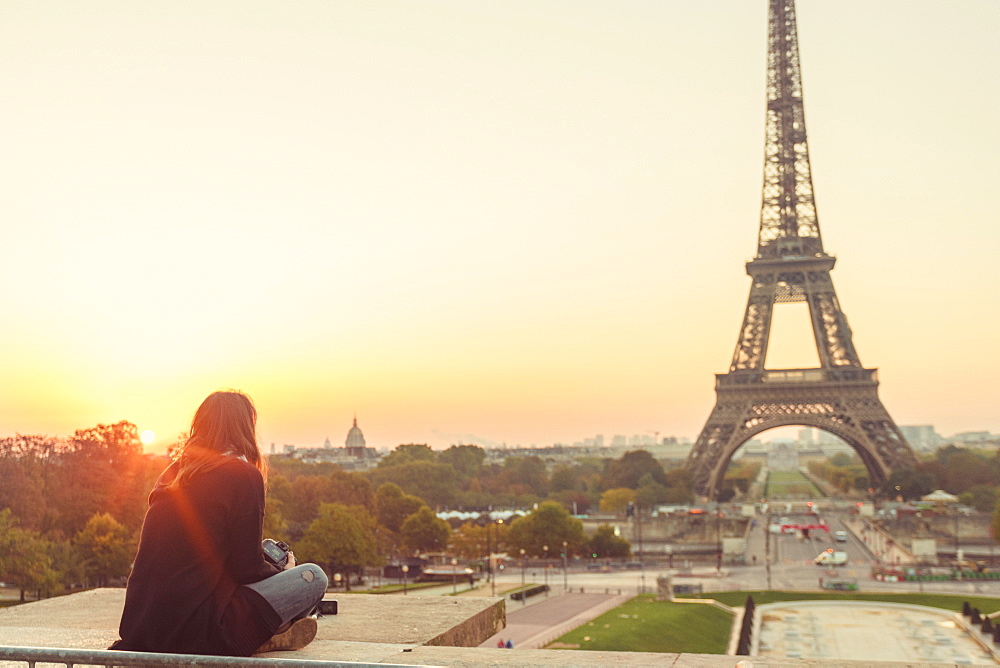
<point>276,551</point>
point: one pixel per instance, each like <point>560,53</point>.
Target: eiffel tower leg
<point>851,410</point>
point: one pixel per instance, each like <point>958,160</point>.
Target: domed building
<point>355,443</point>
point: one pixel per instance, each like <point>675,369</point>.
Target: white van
<point>831,558</point>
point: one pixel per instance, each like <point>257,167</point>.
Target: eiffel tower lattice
<point>840,396</point>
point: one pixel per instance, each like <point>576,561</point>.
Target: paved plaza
<point>865,631</point>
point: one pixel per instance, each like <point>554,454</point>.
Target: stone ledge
<point>89,620</point>
<point>370,629</point>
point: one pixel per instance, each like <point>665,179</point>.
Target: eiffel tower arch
<point>839,396</point>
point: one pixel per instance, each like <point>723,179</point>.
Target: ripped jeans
<point>293,593</point>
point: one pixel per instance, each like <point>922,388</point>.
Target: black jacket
<point>199,543</point>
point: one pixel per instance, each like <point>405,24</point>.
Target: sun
<point>147,437</point>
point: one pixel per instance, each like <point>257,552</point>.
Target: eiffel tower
<point>840,396</point>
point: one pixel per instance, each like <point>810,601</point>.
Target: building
<point>355,455</point>
<point>921,437</point>
<point>355,443</point>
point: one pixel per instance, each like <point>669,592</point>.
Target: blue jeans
<point>293,593</point>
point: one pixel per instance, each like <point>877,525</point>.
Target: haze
<point>488,222</point>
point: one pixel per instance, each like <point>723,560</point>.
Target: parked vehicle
<point>829,557</point>
<point>840,536</point>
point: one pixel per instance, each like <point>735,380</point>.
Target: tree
<point>305,493</point>
<point>996,523</point>
<point>393,506</point>
<point>432,481</point>
<point>279,493</point>
<point>981,497</point>
<point>26,561</point>
<point>102,469</point>
<point>526,475</point>
<point>630,468</point>
<point>423,531</point>
<point>470,540</point>
<point>908,483</point>
<point>679,487</point>
<point>649,492</point>
<point>548,524</point>
<point>467,460</point>
<point>966,469</point>
<point>105,548</point>
<point>604,544</point>
<point>410,452</point>
<point>27,473</point>
<point>115,443</point>
<point>351,489</point>
<point>615,500</point>
<point>341,538</point>
<point>841,459</point>
<point>578,501</point>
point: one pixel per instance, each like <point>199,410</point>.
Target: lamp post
<point>406,569</point>
<point>545,566</point>
<point>454,582</point>
<point>767,549</point>
<point>565,555</point>
<point>489,552</point>
<point>956,534</point>
<point>489,557</point>
<point>523,597</point>
<point>718,537</point>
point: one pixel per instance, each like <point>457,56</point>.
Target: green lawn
<point>395,588</point>
<point>790,484</point>
<point>738,598</point>
<point>647,625</point>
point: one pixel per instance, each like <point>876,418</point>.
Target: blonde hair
<point>224,425</point>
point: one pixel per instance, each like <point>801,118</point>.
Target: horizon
<point>491,224</point>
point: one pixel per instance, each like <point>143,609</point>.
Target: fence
<point>94,657</point>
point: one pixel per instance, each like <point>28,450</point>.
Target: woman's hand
<point>291,560</point>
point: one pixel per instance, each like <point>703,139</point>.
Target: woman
<point>200,583</point>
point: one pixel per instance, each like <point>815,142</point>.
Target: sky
<point>520,222</point>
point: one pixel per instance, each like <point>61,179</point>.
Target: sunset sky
<point>517,222</point>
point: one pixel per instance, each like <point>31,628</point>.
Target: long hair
<point>224,425</point>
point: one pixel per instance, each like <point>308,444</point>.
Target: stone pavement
<point>863,630</point>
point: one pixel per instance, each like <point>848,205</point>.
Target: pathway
<point>537,624</point>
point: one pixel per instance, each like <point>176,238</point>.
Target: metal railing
<point>109,658</point>
<point>796,376</point>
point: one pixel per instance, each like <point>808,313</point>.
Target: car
<point>840,536</point>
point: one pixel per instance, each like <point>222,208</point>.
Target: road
<point>792,568</point>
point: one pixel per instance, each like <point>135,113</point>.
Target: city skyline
<point>476,223</point>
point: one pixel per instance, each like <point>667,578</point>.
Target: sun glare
<point>147,437</point>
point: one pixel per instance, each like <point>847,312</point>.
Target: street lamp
<point>406,569</point>
<point>718,539</point>
<point>489,558</point>
<point>523,597</point>
<point>545,566</point>
<point>565,555</point>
